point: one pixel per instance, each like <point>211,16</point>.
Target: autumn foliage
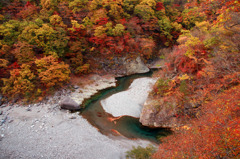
<point>51,72</point>
<point>214,134</point>
<point>202,76</point>
<point>44,42</point>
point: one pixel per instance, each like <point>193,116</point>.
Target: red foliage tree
<point>29,11</point>
<point>102,21</point>
<point>159,6</point>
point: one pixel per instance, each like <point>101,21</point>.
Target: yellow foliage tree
<point>48,4</point>
<point>150,3</point>
<point>3,63</point>
<point>144,11</point>
<point>77,5</point>
<point>100,31</point>
<point>46,37</point>
<point>56,20</point>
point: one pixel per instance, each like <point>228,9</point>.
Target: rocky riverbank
<point>85,89</point>
<point>43,130</point>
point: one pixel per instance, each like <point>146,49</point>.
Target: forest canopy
<point>76,33</point>
<point>43,43</point>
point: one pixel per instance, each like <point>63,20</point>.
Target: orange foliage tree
<point>215,134</point>
<point>21,82</point>
<point>51,72</point>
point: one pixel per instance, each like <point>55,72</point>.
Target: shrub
<point>140,152</point>
<point>82,69</point>
<point>161,87</point>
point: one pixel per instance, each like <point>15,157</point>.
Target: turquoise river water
<point>127,126</point>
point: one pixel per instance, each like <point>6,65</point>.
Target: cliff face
<point>160,113</point>
<point>123,66</point>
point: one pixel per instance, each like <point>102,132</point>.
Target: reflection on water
<point>127,126</point>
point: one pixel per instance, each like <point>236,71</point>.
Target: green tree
<point>168,29</point>
<point>191,16</point>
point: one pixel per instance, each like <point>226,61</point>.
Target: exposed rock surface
<point>135,66</point>
<point>129,102</point>
<point>157,64</point>
<point>95,84</point>
<point>69,104</point>
<point>159,113</point>
<point>122,66</point>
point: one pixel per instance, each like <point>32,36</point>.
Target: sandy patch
<point>129,102</point>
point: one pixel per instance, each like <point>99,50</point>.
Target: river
<point>127,126</point>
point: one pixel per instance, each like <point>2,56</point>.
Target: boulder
<point>75,86</point>
<point>135,66</point>
<point>1,97</point>
<point>69,104</point>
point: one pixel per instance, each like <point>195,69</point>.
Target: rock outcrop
<point>123,66</point>
<point>135,66</point>
<point>160,113</point>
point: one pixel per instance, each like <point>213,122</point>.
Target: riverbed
<point>125,125</point>
<point>43,130</point>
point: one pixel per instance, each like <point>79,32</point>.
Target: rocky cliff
<point>160,113</point>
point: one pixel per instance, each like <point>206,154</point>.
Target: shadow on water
<point>127,126</point>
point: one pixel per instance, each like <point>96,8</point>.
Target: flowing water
<point>127,126</point>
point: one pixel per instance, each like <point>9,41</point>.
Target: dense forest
<point>44,43</point>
